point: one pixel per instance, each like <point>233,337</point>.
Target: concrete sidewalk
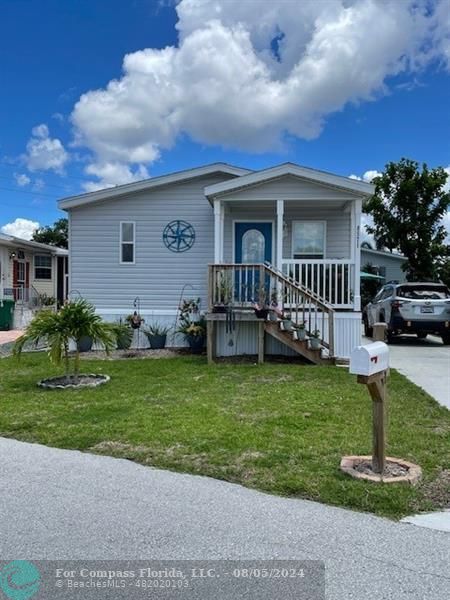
<point>67,505</point>
<point>425,362</point>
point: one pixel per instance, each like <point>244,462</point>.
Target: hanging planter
<point>135,320</point>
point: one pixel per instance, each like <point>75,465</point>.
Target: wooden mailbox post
<point>371,363</point>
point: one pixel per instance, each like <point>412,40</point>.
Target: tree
<point>75,320</point>
<point>56,235</point>
<point>407,210</point>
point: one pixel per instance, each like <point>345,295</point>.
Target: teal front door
<point>252,246</point>
<point>253,242</point>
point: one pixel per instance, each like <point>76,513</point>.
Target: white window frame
<point>133,243</point>
<point>39,267</point>
<point>324,223</point>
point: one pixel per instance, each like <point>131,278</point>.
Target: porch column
<point>222,231</point>
<point>280,217</point>
<point>217,231</point>
<point>356,252</point>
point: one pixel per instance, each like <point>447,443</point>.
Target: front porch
<point>289,237</point>
<point>315,244</point>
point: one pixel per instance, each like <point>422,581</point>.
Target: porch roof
<point>356,188</point>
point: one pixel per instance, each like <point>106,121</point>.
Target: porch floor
<point>9,336</point>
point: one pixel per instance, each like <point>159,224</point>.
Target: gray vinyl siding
<point>289,188</point>
<point>337,225</point>
<point>158,274</point>
<point>392,264</point>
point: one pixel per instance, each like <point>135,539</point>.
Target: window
<point>424,292</point>
<point>253,246</point>
<point>127,234</point>
<point>308,239</point>
<point>42,266</point>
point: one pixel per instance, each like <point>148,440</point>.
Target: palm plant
<point>75,320</point>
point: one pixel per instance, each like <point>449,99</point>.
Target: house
<point>31,274</point>
<point>388,264</point>
<point>288,232</point>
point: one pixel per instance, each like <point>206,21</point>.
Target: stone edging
<point>101,379</point>
<point>414,471</point>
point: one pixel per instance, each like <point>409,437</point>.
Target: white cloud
<point>43,152</point>
<point>110,174</point>
<point>368,176</point>
<point>21,228</point>
<point>22,179</point>
<point>223,84</point>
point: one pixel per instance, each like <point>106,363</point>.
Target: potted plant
<point>286,322</point>
<point>315,340</point>
<point>223,293</point>
<point>124,335</point>
<point>135,320</point>
<point>157,335</point>
<point>301,331</point>
<point>192,325</point>
<point>74,321</point>
<point>275,311</point>
<point>261,306</point>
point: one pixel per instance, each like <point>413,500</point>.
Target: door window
<point>253,246</point>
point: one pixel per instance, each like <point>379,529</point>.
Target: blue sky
<point>217,93</point>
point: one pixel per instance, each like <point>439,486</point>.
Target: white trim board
<point>148,184</point>
<point>265,175</point>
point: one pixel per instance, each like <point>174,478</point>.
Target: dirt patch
<point>391,469</point>
<point>438,490</point>
<point>121,448</point>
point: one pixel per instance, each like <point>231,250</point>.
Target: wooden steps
<point>299,346</point>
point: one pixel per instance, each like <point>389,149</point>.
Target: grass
<point>281,428</point>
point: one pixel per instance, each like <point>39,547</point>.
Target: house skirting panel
<point>244,339</point>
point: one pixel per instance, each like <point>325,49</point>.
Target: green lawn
<point>281,428</point>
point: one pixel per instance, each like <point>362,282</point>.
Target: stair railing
<point>244,285</point>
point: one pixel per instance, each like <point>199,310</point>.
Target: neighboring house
<point>296,229</point>
<point>30,271</point>
<point>388,265</point>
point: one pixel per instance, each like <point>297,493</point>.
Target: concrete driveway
<point>59,504</point>
<point>425,362</point>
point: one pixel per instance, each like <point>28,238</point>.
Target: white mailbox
<point>370,359</point>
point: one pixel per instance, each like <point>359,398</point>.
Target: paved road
<point>425,362</point>
<point>59,504</point>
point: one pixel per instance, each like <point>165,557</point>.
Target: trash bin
<point>6,314</point>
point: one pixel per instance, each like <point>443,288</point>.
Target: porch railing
<point>244,285</point>
<point>331,279</point>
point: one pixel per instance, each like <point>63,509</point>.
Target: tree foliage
<point>407,210</point>
<point>54,235</point>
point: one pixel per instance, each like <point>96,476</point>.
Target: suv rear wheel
<point>368,331</point>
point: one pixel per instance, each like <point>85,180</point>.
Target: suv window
<point>423,292</point>
<point>387,292</point>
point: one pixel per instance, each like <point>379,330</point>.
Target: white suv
<point>419,308</point>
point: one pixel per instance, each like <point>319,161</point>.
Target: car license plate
<point>427,309</point>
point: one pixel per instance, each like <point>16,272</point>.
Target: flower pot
<point>287,325</point>
<point>84,344</point>
<point>220,308</point>
<point>196,343</point>
<point>301,334</point>
<point>157,342</point>
<point>315,343</point>
<point>261,313</point>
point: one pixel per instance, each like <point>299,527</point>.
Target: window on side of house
<point>42,266</point>
<point>308,240</point>
<point>127,242</point>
